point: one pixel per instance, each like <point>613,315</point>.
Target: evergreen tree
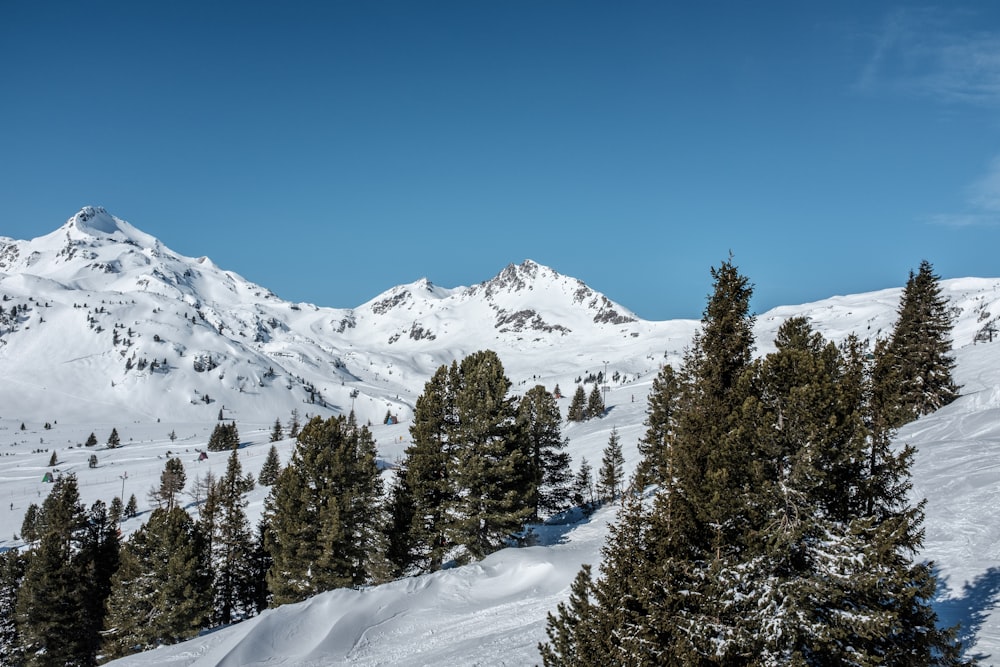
<point>920,346</point>
<point>578,405</point>
<point>661,422</point>
<point>276,431</point>
<point>782,531</point>
<point>29,525</point>
<point>224,438</point>
<point>12,566</point>
<point>324,513</point>
<point>91,440</point>
<point>293,424</point>
<point>491,462</point>
<point>161,593</point>
<point>595,403</point>
<point>424,490</point>
<point>610,479</point>
<point>172,481</point>
<point>132,507</point>
<point>272,466</point>
<point>98,559</point>
<point>583,484</point>
<point>53,460</point>
<point>540,422</point>
<point>113,439</point>
<point>52,605</point>
<point>232,546</point>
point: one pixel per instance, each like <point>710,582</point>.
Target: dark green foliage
<point>91,440</point>
<point>539,421</point>
<point>52,604</point>
<point>29,525</point>
<point>661,422</point>
<point>919,350</point>
<point>610,478</point>
<point>272,466</point>
<point>277,433</point>
<point>324,514</point>
<point>424,489</point>
<point>12,566</point>
<point>224,438</point>
<point>116,510</point>
<point>595,403</point>
<point>232,546</point>
<point>583,484</point>
<point>53,460</point>
<point>782,530</point>
<point>162,590</point>
<point>132,507</point>
<point>172,481</point>
<point>113,439</point>
<point>491,462</point>
<point>578,405</point>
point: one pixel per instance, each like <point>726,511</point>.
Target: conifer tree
<point>610,478</point>
<point>162,591</point>
<point>491,465</point>
<point>324,513</point>
<point>12,565</point>
<point>57,633</point>
<point>583,484</point>
<point>132,507</point>
<point>91,440</point>
<point>424,489</point>
<point>919,348</point>
<point>224,438</point>
<point>172,481</point>
<point>578,405</point>
<point>540,422</point>
<point>113,439</point>
<point>661,422</point>
<point>276,431</point>
<point>232,546</point>
<point>595,403</point>
<point>272,466</point>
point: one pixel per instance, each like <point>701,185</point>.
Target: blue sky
<point>329,151</point>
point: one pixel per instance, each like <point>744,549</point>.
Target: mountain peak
<point>94,219</point>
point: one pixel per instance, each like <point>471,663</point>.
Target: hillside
<point>88,308</point>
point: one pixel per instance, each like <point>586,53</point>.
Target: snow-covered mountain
<point>120,326</point>
<point>89,308</point>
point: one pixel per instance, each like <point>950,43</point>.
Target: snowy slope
<point>97,275</point>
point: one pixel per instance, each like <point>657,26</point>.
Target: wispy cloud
<point>936,54</point>
<point>982,199</point>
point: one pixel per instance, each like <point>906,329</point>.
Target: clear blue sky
<point>329,151</point>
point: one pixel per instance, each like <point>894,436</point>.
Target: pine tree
<point>610,478</point>
<point>57,633</point>
<point>540,422</point>
<point>491,465</point>
<point>12,566</point>
<point>132,507</point>
<point>324,513</point>
<point>113,439</point>
<point>424,490</point>
<point>162,590</point>
<point>661,422</point>
<point>583,484</point>
<point>91,440</point>
<point>224,438</point>
<point>595,403</point>
<point>578,405</point>
<point>98,559</point>
<point>172,481</point>
<point>272,466</point>
<point>232,546</point>
<point>276,431</point>
<point>53,460</point>
<point>293,424</point>
<point>920,346</point>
